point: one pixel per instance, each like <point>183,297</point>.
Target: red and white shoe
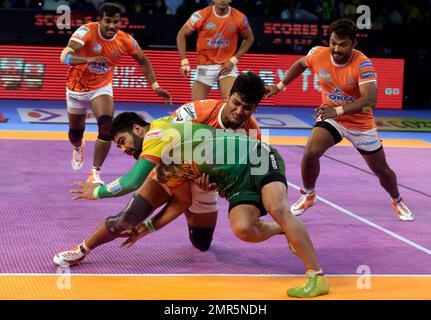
<point>94,177</point>
<point>404,213</point>
<point>306,201</point>
<point>78,156</point>
<point>71,257</point>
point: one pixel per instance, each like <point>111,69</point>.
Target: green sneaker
<point>315,286</point>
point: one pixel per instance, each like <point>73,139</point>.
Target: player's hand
<point>204,183</point>
<point>134,235</point>
<point>226,68</point>
<point>86,191</point>
<point>99,60</point>
<point>271,90</point>
<point>185,68</point>
<point>325,112</point>
<point>163,173</point>
<point>164,94</point>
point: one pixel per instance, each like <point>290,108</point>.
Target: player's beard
<point>137,141</point>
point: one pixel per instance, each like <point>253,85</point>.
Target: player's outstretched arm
<point>182,35</point>
<point>147,70</point>
<point>127,183</point>
<point>70,55</point>
<point>294,72</point>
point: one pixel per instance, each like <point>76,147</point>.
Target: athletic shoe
<point>404,213</point>
<point>71,257</point>
<point>306,201</point>
<point>78,156</point>
<point>315,286</point>
<point>94,177</point>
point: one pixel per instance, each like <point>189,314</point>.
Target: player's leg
<point>322,137</point>
<point>200,90</point>
<point>225,85</point>
<point>148,197</point>
<point>103,110</point>
<point>77,105</point>
<point>202,217</point>
<point>376,161</point>
<point>205,79</point>
<point>275,202</point>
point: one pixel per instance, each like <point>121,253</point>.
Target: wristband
<point>339,111</point>
<point>185,62</point>
<point>96,192</point>
<point>67,59</point>
<point>155,85</point>
<point>149,225</point>
<point>234,60</point>
<point>281,85</point>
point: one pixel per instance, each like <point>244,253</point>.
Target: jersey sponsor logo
<point>324,75</point>
<point>273,162</point>
<point>338,95</point>
<point>153,134</point>
<point>114,187</point>
<point>367,143</point>
<point>210,26</point>
<point>205,203</point>
<point>218,41</point>
<point>81,32</point>
<point>367,75</point>
<point>312,50</point>
<point>337,90</point>
<point>366,64</point>
<point>185,113</point>
<point>97,48</point>
<point>195,18</point>
<point>98,68</point>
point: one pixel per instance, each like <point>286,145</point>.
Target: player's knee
<point>201,238</point>
<point>104,123</point>
<point>75,135</point>
<point>312,154</point>
<point>136,211</point>
<point>278,209</point>
<point>244,231</point>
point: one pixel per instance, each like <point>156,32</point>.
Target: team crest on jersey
<point>218,41</point>
<point>324,75</point>
<point>210,26</point>
<point>81,32</point>
<point>97,48</point>
<point>186,113</point>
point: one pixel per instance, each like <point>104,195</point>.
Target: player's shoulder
<point>236,13</point>
<point>360,60</point>
<point>318,50</point>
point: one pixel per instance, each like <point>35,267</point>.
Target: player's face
<point>129,143</point>
<point>109,26</point>
<point>341,48</point>
<point>222,4</point>
<point>237,111</point>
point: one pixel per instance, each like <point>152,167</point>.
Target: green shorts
<point>248,189</point>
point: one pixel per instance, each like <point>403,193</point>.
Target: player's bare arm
<point>182,35</point>
<point>366,102</point>
<point>70,55</point>
<point>147,70</point>
<point>247,42</point>
<point>294,72</point>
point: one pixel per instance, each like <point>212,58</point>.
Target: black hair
<point>343,27</point>
<point>124,123</point>
<point>109,9</point>
<point>250,87</point>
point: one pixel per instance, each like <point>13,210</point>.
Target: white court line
<point>366,221</point>
<point>205,275</point>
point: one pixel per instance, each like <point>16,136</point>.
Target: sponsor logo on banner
<point>40,115</point>
<point>403,124</point>
<point>284,121</point>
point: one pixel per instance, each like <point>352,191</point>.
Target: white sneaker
<point>78,156</point>
<point>94,177</point>
<point>306,201</point>
<point>404,213</point>
<point>71,257</point>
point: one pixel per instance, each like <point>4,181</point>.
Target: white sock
<point>313,273</point>
<point>87,249</point>
<point>309,190</point>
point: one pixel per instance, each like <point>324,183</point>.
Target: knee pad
<point>201,238</point>
<point>104,123</point>
<point>76,135</point>
<point>136,211</point>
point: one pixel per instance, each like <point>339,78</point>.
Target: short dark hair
<point>250,87</point>
<point>343,27</point>
<point>109,9</point>
<point>124,123</point>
